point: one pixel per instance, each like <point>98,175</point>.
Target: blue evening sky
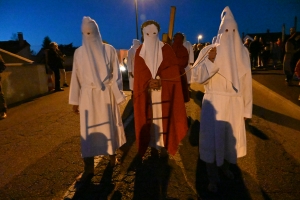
<point>61,19</point>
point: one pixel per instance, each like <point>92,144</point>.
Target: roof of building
<point>13,46</point>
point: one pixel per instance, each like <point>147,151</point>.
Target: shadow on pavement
<point>276,117</point>
<point>151,178</point>
<point>197,96</point>
<point>277,171</point>
<point>228,189</point>
<point>94,189</point>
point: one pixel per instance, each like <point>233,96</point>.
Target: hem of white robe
<point>73,102</point>
<point>249,116</point>
<point>121,141</point>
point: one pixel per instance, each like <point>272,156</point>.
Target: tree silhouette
<point>46,42</point>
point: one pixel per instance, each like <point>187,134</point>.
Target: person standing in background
<point>3,106</point>
<point>130,61</point>
<point>261,50</point>
<point>254,50</point>
<point>63,75</point>
<point>291,46</point>
<point>189,48</point>
<point>55,62</point>
<point>183,60</point>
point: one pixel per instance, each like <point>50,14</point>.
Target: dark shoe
<point>288,83</point>
<point>85,176</point>
<point>3,115</point>
<point>66,85</point>
<point>59,89</point>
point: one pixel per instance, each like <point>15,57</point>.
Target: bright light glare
<point>122,68</point>
<point>199,37</point>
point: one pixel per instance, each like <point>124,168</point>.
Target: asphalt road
<point>41,153</point>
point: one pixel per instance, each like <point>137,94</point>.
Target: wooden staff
<point>171,24</point>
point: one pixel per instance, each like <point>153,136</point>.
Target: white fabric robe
<point>130,65</point>
<point>101,126</point>
<point>222,126</point>
<point>189,47</point>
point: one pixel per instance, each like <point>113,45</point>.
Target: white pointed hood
<point>231,52</point>
<point>94,54</point>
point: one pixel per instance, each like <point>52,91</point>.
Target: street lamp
<point>136,19</point>
<point>199,38</point>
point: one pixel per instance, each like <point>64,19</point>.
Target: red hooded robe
<point>173,107</point>
<point>183,60</point>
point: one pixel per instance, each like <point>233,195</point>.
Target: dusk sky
<point>61,19</point>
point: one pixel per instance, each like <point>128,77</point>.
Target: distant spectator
<point>297,73</point>
<point>297,67</point>
<point>254,52</point>
<point>55,62</point>
<point>261,52</point>
<point>130,61</point>
<point>291,47</point>
<point>3,107</point>
<point>281,46</point>
<point>247,43</point>
<point>265,55</point>
<point>276,53</point>
<point>294,61</point>
<point>197,50</point>
<point>62,71</point>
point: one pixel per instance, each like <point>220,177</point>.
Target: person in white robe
<point>224,69</point>
<point>189,47</point>
<point>130,61</point>
<point>95,92</point>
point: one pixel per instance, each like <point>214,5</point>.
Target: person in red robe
<point>159,109</point>
<point>183,60</point>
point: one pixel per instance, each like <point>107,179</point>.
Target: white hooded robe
<point>130,61</point>
<point>96,85</point>
<point>228,95</point>
<point>189,47</point>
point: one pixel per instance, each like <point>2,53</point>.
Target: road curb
<point>270,92</point>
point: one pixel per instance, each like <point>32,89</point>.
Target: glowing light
<point>199,37</point>
<point>122,68</point>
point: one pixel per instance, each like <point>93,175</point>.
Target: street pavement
<point>41,152</point>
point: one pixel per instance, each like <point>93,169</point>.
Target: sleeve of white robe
<point>203,71</point>
<point>117,83</point>
<point>75,86</point>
